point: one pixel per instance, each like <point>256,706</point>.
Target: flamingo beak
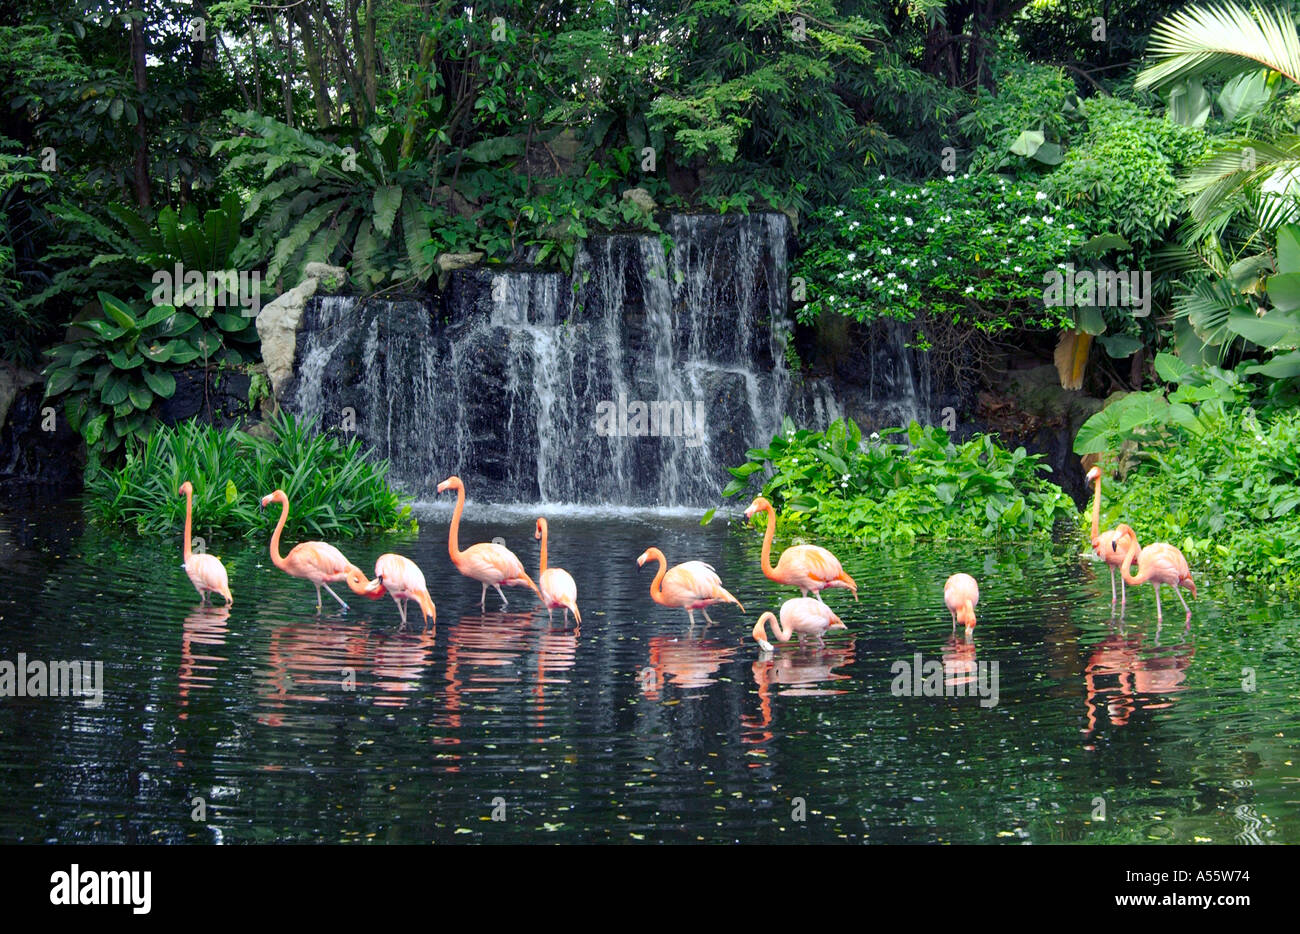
<point>640,562</point>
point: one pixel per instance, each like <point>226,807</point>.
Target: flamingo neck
<point>185,548</point>
<point>276,558</point>
<point>544,529</point>
<point>782,634</point>
<point>1096,511</point>
<point>453,537</point>
<point>766,559</point>
<point>1130,556</point>
<point>656,594</point>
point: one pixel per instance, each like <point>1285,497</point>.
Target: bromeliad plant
<point>336,489</point>
<point>928,488</point>
<point>109,377</point>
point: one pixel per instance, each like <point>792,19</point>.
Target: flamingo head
<point>1092,475</point>
<point>645,556</point>
<point>966,616</point>
<point>374,589</point>
<point>451,483</point>
<point>276,497</point>
<point>541,528</point>
<point>758,505</point>
<point>1189,584</point>
<point>760,631</point>
<point>836,623</point>
<point>186,489</point>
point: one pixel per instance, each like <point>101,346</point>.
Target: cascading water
<point>636,380</point>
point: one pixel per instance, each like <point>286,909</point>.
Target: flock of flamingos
<point>690,586</point>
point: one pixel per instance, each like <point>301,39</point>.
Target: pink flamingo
<point>1159,563</point>
<point>691,586</point>
<point>486,562</point>
<point>808,567</point>
<point>802,615</point>
<point>556,585</point>
<point>317,562</point>
<point>961,594</point>
<point>1111,546</point>
<point>206,572</point>
<point>402,580</point>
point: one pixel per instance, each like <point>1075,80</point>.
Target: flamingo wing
<point>317,561</point>
<point>208,573</point>
<point>490,563</point>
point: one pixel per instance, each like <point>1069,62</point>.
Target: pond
<point>270,723</point>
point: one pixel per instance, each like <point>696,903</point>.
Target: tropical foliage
<point>334,488</point>
<point>921,486</point>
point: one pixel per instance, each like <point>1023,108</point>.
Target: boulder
<point>278,322</point>
<point>641,198</point>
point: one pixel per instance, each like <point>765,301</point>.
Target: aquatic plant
<point>837,486</point>
<point>337,489</point>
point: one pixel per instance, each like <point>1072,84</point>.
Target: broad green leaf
<point>141,397</point>
<point>1273,328</point>
<point>1171,368</point>
<point>118,311</point>
<point>1286,366</point>
<point>161,382</point>
<point>386,201</point>
<point>1028,142</point>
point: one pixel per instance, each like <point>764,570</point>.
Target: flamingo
<point>486,562</point>
<point>961,594</point>
<point>1110,546</point>
<point>557,588</point>
<point>808,567</point>
<point>403,580</point>
<point>691,586</point>
<point>802,615</point>
<point>206,572</point>
<point>317,562</point>
<point>1159,563</point>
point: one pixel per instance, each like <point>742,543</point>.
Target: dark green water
<point>632,728</point>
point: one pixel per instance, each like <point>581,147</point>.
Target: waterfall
<point>635,380</point>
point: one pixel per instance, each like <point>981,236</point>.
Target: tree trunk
<point>143,193</point>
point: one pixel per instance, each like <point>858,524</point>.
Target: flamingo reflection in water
<point>1124,674</point>
<point>798,673</point>
<point>204,626</point>
<point>485,651</point>
<point>688,662</point>
<point>326,660</point>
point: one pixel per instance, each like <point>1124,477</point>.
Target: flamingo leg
<point>401,609</point>
<point>1159,614</point>
<point>482,599</point>
<point>504,601</point>
<point>1179,594</point>
<point>1113,595</point>
<point>803,591</point>
<point>318,605</point>
<point>566,616</point>
<point>550,615</point>
<point>819,597</point>
<point>705,611</point>
<point>1123,590</point>
<point>335,596</point>
<point>690,614</point>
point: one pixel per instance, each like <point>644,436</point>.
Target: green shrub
<point>334,489</point>
<point>1229,498</point>
<point>970,249</point>
<point>930,488</point>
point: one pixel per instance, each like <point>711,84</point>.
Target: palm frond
<point>1221,39</point>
